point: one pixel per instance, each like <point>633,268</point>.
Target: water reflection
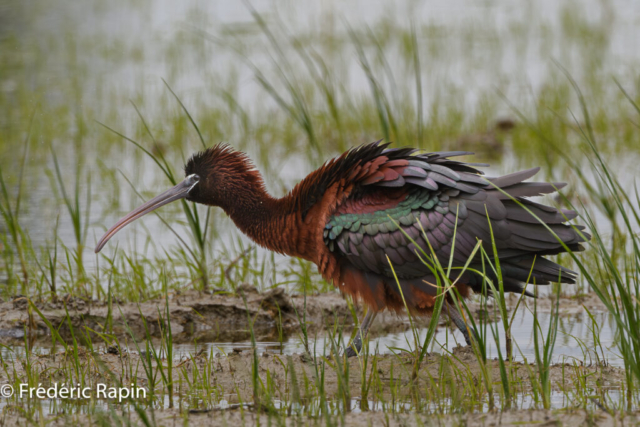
<point>576,341</point>
<point>87,62</point>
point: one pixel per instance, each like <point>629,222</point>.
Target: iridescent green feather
<point>379,221</point>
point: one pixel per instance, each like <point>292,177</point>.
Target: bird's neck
<point>262,217</point>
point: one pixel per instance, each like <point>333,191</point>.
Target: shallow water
<point>575,341</point>
<point>610,398</point>
<point>77,64</point>
<point>575,344</point>
<point>523,401</point>
<point>90,60</point>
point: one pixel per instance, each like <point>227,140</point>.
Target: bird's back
<point>391,206</point>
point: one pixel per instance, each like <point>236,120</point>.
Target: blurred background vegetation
<point>102,101</point>
<point>292,84</point>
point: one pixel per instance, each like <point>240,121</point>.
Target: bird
<point>375,219</point>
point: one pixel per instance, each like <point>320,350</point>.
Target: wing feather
<point>397,194</point>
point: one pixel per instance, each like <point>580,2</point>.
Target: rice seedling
<point>198,227</point>
<point>52,264</point>
<point>403,91</point>
<point>614,284</point>
<point>11,215</point>
<point>79,215</point>
<point>544,352</point>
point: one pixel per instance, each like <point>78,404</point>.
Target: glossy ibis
<point>358,209</point>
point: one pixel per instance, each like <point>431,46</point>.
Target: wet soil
<point>575,417</point>
<point>225,317</point>
<point>246,417</point>
<point>232,373</point>
<point>219,317</point>
<point>193,315</point>
<point>231,378</point>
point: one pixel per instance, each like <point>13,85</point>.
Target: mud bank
<point>221,317</point>
<point>508,418</point>
<point>576,417</point>
<point>193,315</point>
<point>231,378</point>
<point>231,374</point>
<point>237,417</point>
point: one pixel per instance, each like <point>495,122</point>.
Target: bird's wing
<point>398,195</point>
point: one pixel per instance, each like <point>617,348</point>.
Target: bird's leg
<point>356,344</point>
<point>456,317</point>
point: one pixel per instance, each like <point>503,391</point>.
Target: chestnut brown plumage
<point>353,215</point>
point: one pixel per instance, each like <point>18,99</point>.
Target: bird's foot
<point>354,349</point>
<point>465,333</point>
<point>356,345</point>
<point>460,323</point>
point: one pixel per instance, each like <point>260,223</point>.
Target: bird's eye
<point>192,180</point>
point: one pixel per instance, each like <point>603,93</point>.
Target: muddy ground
<point>237,417</point>
<point>508,418</point>
<point>234,369</point>
<point>224,317</point>
<point>231,378</point>
<point>217,317</point>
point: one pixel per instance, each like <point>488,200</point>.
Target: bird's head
<point>212,177</point>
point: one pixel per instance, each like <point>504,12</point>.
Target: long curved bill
<point>180,191</point>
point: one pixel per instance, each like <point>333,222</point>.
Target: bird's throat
<point>262,217</point>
